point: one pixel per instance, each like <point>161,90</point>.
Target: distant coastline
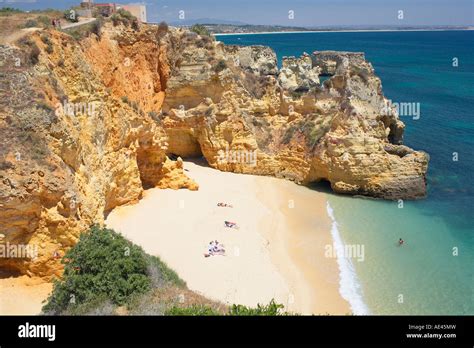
<point>340,31</point>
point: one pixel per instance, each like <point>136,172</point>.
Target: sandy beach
<point>22,295</point>
<point>277,252</point>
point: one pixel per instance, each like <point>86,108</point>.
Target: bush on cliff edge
<point>104,266</point>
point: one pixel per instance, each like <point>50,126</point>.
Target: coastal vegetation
<point>312,130</point>
<point>83,31</point>
<point>6,11</point>
<point>104,273</point>
<point>103,264</point>
<point>71,15</point>
<point>200,30</point>
<point>13,20</point>
<point>272,309</point>
<point>123,17</point>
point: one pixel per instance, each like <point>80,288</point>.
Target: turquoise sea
<point>434,272</point>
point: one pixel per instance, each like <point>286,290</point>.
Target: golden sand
<point>277,252</point>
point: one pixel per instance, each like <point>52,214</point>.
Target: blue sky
<point>306,12</point>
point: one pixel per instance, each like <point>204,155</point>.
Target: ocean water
<point>434,272</point>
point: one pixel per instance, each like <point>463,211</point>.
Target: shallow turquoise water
<point>414,67</point>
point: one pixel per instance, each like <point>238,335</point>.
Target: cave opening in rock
<point>395,136</point>
<point>321,185</point>
<point>183,143</point>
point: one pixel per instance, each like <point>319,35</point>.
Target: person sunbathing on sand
<point>211,246</point>
<point>215,248</point>
<point>224,205</point>
<point>230,224</point>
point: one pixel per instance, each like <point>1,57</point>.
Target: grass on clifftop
<point>107,274</point>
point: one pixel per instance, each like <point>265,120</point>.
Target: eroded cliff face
<point>78,139</point>
<point>341,131</point>
<point>89,125</point>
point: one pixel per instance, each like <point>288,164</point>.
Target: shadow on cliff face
<point>181,142</point>
<point>4,273</point>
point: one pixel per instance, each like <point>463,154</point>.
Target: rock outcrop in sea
<point>88,125</point>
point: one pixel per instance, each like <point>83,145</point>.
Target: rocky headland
<point>89,124</point>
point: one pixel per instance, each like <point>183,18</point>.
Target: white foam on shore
<point>349,285</point>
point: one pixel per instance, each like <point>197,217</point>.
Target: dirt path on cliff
<point>17,35</point>
<point>81,22</point>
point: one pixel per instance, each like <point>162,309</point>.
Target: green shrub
<point>272,309</point>
<point>200,30</point>
<point>6,11</point>
<point>105,268</point>
<point>115,18</point>
<point>71,15</point>
<point>125,14</point>
<point>101,264</point>
<point>195,310</point>
<point>123,17</point>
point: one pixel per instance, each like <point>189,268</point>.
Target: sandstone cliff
<point>150,96</point>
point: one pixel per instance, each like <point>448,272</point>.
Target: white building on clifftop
<point>138,10</point>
